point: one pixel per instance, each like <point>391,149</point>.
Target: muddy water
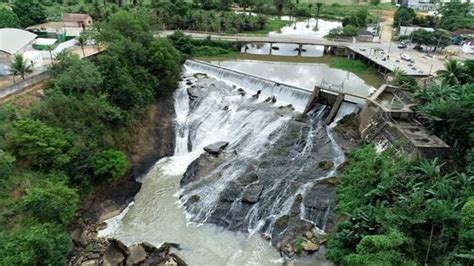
<point>304,75</point>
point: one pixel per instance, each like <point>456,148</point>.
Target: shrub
<point>110,164</point>
<point>51,202</point>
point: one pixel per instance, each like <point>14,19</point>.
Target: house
<point>468,46</point>
<point>76,20</point>
<point>13,41</point>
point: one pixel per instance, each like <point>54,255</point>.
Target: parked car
<point>402,45</point>
<point>405,57</point>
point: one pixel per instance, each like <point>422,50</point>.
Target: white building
<point>468,46</point>
<point>13,41</point>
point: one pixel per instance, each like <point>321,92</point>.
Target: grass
<point>271,25</point>
<point>354,66</point>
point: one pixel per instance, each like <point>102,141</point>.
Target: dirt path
<point>387,26</point>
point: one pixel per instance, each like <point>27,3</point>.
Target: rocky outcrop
<point>154,139</point>
<point>116,253</point>
<point>216,148</point>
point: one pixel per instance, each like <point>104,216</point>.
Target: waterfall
<point>270,169</point>
<point>284,93</point>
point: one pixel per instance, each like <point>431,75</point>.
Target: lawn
<point>354,66</point>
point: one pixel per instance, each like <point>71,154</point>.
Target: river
<point>260,133</point>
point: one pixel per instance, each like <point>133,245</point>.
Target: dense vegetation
<point>76,137</point>
<point>454,17</point>
<point>400,212</point>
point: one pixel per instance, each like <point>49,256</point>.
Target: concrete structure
<point>387,119</point>
<point>13,41</point>
<point>408,30</point>
<point>76,20</point>
<point>468,46</point>
<point>53,29</point>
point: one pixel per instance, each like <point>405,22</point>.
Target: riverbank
<point>154,139</point>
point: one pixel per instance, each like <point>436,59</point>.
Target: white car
<point>405,57</point>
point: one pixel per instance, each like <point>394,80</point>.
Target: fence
<point>23,84</point>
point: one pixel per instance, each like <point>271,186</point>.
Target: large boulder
<point>252,193</point>
<point>216,148</point>
<point>231,192</point>
<point>137,255</point>
<point>113,256</point>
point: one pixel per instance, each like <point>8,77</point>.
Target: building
<point>13,41</point>
<point>468,46</point>
<point>76,20</point>
<point>408,30</point>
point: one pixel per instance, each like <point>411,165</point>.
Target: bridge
<point>360,51</point>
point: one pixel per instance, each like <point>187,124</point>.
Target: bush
<point>110,164</point>
<point>41,145</point>
<point>51,202</point>
<point>6,163</point>
<point>34,245</point>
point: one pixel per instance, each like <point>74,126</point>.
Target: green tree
<point>465,252</point>
<point>6,163</point>
<point>455,73</point>
<point>82,41</point>
<point>318,9</point>
<point>35,245</point>
<point>404,16</point>
<point>20,66</point>
<point>29,12</point>
<point>8,19</point>
<point>51,202</point>
<point>110,164</point>
<point>80,77</point>
<point>41,145</point>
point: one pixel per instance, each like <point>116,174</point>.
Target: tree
<point>280,4</point>
<point>29,12</point>
<point>51,202</point>
<point>404,16</point>
<point>245,4</point>
<point>455,73</point>
<point>318,9</point>
<point>41,145</point>
<point>110,164</point>
<point>8,19</point>
<point>20,66</point>
<point>80,77</point>
<point>6,163</point>
<point>37,244</point>
<point>82,40</point>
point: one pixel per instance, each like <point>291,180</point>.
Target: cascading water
<point>268,180</point>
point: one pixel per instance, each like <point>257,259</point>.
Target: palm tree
<point>20,66</point>
<point>397,75</point>
<point>82,40</point>
<point>318,9</point>
<point>455,73</point>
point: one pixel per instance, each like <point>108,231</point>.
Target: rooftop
<point>74,17</point>
<point>13,40</point>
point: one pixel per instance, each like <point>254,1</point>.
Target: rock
<point>271,99</point>
<point>332,180</point>
<point>226,108</point>
<point>287,107</point>
<point>189,83</point>
<point>326,165</point>
<point>169,262</point>
<point>150,248</point>
<point>308,235</point>
<point>118,245</point>
<point>193,92</point>
<point>113,256</point>
<point>310,246</point>
<point>241,92</point>
<point>288,250</point>
<point>178,260</point>
<point>282,221</point>
<point>289,263</point>
<point>194,198</point>
<point>255,96</point>
<point>231,192</point>
<point>216,148</point>
<point>90,263</point>
<point>248,177</point>
<point>137,255</point>
<point>252,193</point>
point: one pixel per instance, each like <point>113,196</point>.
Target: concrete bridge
<point>339,48</point>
